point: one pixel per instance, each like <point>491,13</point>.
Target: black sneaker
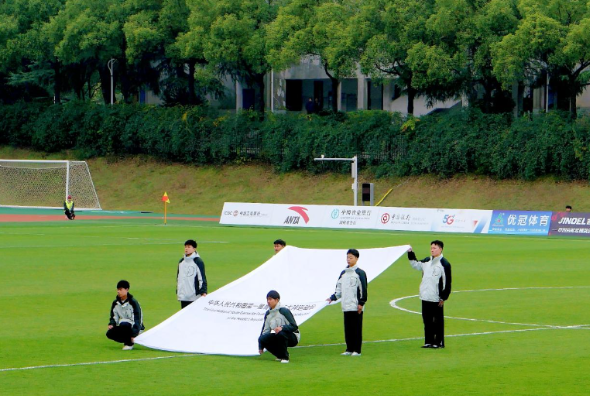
<point>426,346</point>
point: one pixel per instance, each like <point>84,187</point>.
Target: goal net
<point>46,184</point>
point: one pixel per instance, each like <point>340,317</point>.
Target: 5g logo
<point>448,219</point>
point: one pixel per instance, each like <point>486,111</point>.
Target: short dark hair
<point>191,243</point>
<point>123,284</point>
<point>280,242</point>
<point>273,294</point>
<point>354,252</point>
<point>568,207</point>
<point>438,243</point>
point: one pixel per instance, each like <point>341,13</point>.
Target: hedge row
<point>442,144</point>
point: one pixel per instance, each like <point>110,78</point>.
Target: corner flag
<point>166,200</point>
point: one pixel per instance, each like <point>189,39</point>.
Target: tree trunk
<point>57,82</point>
<point>411,97</point>
<point>487,97</point>
<point>572,96</point>
<point>105,83</point>
<point>125,81</point>
<point>335,84</point>
<point>192,98</point>
<point>259,80</point>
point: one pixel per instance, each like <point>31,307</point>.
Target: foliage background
<point>459,142</point>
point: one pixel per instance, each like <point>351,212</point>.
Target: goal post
<point>46,184</point>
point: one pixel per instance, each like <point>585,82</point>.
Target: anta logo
<point>292,220</point>
<point>301,211</point>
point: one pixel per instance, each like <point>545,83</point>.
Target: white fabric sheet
<point>229,320</point>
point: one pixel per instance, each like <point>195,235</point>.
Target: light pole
<point>353,169</point>
<point>110,65</point>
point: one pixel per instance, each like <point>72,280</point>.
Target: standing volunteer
<point>191,281</point>
<point>434,291</point>
<point>352,288</point>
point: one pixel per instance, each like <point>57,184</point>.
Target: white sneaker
<point>346,353</point>
<point>285,361</point>
<point>355,354</point>
<point>128,347</point>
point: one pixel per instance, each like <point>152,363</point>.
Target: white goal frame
<point>74,179</point>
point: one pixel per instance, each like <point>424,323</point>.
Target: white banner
<point>405,219</point>
<point>357,217</point>
<point>229,320</point>
<point>462,220</point>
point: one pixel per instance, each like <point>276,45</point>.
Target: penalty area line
<point>297,347</point>
<point>96,363</point>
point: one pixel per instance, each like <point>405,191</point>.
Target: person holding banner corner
<point>279,331</point>
<point>435,289</point>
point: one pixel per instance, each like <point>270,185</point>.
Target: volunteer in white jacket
<point>191,281</point>
<point>352,289</point>
<point>434,291</point>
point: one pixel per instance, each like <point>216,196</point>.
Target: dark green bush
<point>443,144</point>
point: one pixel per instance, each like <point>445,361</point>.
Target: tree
<point>188,47</point>
<point>454,57</point>
<point>396,27</point>
<point>315,28</point>
<point>229,35</point>
<point>26,49</point>
<point>553,37</point>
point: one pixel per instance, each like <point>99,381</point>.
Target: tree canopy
<point>481,50</point>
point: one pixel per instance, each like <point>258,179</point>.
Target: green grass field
<point>58,280</point>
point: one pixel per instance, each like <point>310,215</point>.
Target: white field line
<point>297,347</point>
<point>394,302</point>
<point>146,243</point>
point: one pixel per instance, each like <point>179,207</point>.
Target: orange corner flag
<point>165,198</point>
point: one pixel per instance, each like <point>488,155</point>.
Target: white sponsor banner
<point>357,217</point>
<point>239,213</point>
<point>350,217</point>
<point>229,321</point>
<point>462,220</point>
<point>405,219</point>
<point>298,215</point>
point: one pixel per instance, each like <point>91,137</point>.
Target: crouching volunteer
<point>351,287</point>
<point>279,330</point>
<point>126,318</point>
<point>69,208</point>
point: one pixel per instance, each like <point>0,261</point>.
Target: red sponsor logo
<point>301,211</point>
<point>385,218</point>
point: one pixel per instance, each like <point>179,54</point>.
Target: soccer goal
<point>46,184</point>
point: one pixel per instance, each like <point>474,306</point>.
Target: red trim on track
<point>31,218</point>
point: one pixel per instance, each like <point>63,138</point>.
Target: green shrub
<point>444,144</point>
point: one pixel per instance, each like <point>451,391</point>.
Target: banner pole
<point>165,212</point>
